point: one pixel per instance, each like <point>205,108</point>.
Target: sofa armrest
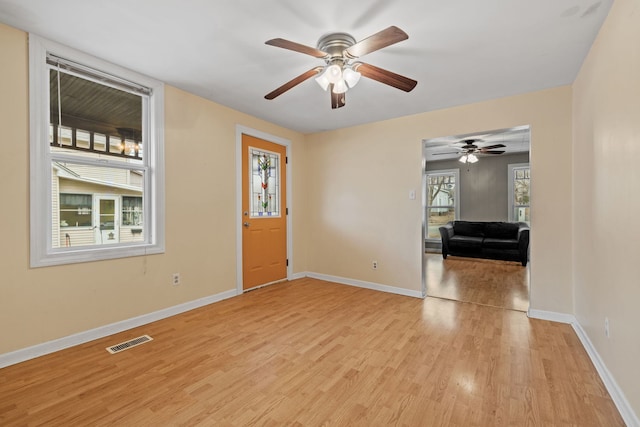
<point>523,242</point>
<point>446,232</point>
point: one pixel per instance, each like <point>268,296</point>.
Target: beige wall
<point>38,305</point>
<point>606,189</point>
<point>360,178</point>
<point>350,206</point>
<point>484,185</point>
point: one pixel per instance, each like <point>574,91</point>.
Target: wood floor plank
<point>482,281</point>
<point>311,353</point>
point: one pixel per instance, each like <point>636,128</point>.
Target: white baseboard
<point>366,285</point>
<point>295,276</point>
<point>38,350</point>
<point>552,316</point>
<point>626,411</point>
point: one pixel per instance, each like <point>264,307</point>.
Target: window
<point>132,210</point>
<point>520,193</point>
<point>442,200</point>
<point>75,210</point>
<point>95,192</point>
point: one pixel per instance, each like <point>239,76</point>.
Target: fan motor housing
<point>335,44</point>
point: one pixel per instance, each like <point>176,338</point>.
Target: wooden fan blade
<point>375,42</point>
<point>337,99</point>
<point>491,147</point>
<point>451,152</point>
<point>491,152</point>
<point>384,76</point>
<point>294,82</point>
<point>297,47</point>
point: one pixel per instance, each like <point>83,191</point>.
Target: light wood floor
<point>502,284</point>
<point>311,353</point>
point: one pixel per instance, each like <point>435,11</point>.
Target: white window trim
<point>510,182</point>
<point>456,207</point>
<point>42,252</point>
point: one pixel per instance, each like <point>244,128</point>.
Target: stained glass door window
<point>265,183</point>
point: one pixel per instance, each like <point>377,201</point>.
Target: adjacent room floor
<point>310,353</point>
<point>503,284</point>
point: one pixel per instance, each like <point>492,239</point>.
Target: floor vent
<point>128,344</point>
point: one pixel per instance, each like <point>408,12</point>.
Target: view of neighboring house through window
<point>83,112</point>
<point>442,200</point>
<point>519,191</point>
<point>98,176</point>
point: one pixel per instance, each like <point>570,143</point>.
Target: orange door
<point>264,230</point>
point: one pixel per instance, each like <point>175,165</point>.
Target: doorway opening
<point>483,178</point>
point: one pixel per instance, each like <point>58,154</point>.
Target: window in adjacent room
<point>96,158</point>
<point>442,200</point>
<point>520,193</point>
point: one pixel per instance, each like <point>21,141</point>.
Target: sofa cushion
<point>465,243</point>
<point>468,228</point>
<point>501,230</point>
<point>492,243</point>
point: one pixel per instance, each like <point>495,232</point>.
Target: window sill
<point>89,254</point>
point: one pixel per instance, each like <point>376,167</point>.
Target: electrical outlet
<point>175,279</point>
<point>374,265</point>
<point>606,327</point>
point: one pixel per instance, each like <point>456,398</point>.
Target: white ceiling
<point>459,51</point>
<point>515,140</point>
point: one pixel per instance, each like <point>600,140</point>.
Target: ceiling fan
<point>469,149</point>
<point>339,74</point>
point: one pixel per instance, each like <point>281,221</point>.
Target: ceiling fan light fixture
<point>323,81</point>
<point>333,73</point>
<point>351,77</point>
<point>340,87</point>
<point>472,158</point>
<point>463,159</point>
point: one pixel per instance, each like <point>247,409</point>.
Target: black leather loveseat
<point>495,240</point>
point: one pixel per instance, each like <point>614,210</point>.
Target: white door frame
<point>243,130</point>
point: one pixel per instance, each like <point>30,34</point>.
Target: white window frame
<point>510,184</point>
<point>456,207</point>
<point>41,247</point>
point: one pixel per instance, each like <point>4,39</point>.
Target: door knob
<point>246,224</point>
